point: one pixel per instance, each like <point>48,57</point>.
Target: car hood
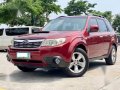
<point>50,35</point>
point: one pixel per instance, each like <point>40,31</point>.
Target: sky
<point>102,5</point>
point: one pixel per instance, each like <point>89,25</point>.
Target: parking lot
<point>99,77</point>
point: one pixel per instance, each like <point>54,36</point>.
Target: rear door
<point>104,35</point>
<point>111,33</point>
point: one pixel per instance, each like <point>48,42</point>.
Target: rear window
<point>35,30</point>
<point>16,31</point>
<point>109,26</point>
<point>1,32</point>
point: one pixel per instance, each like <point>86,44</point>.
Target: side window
<point>92,21</point>
<point>16,31</point>
<point>1,32</point>
<point>35,30</point>
<point>109,26</point>
<point>102,25</point>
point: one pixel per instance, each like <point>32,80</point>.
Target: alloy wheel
<point>78,63</point>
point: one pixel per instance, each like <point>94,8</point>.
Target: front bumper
<point>48,62</point>
<point>41,57</point>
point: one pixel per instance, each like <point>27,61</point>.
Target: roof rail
<point>101,16</point>
<point>96,15</point>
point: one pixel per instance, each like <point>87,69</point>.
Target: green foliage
<point>78,7</point>
<point>49,6</point>
<point>106,14</point>
<point>116,22</point>
<point>27,12</point>
<point>97,13</point>
<point>5,12</point>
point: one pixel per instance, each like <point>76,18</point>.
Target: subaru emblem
<point>25,42</point>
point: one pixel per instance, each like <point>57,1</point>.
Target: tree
<point>49,6</point>
<point>107,14</point>
<point>78,7</point>
<point>14,9</point>
<point>116,23</point>
<point>27,12</point>
<point>97,13</point>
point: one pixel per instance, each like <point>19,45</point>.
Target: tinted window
<point>109,26</point>
<point>66,24</point>
<point>102,25</point>
<point>92,21</point>
<point>35,30</point>
<point>1,32</point>
<point>16,31</point>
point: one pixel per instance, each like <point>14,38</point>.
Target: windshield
<point>66,24</point>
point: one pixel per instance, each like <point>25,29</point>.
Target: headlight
<point>53,42</point>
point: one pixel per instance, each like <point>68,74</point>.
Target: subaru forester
<point>67,42</point>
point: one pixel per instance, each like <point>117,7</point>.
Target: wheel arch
<point>115,46</point>
<point>82,47</point>
<point>77,43</point>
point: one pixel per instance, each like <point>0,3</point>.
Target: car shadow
<point>47,76</point>
<point>36,76</point>
<point>98,64</point>
<point>3,51</point>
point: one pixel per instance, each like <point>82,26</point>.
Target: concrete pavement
<point>99,77</point>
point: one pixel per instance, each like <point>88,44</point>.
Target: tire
<point>111,60</point>
<point>26,69</point>
<point>78,65</point>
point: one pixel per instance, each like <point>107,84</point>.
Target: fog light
<point>57,60</point>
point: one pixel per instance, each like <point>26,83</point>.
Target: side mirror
<point>94,28</point>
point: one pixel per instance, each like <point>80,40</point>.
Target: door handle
<point>101,36</point>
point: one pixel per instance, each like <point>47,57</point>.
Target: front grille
<point>27,43</point>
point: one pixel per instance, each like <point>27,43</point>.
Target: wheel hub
<point>113,55</point>
<point>78,62</point>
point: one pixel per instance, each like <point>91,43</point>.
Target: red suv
<point>67,42</point>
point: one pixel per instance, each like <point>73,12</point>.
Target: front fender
<point>74,44</point>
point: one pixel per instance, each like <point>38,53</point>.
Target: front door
<point>94,40</point>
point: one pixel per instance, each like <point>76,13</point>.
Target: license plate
<point>23,55</point>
